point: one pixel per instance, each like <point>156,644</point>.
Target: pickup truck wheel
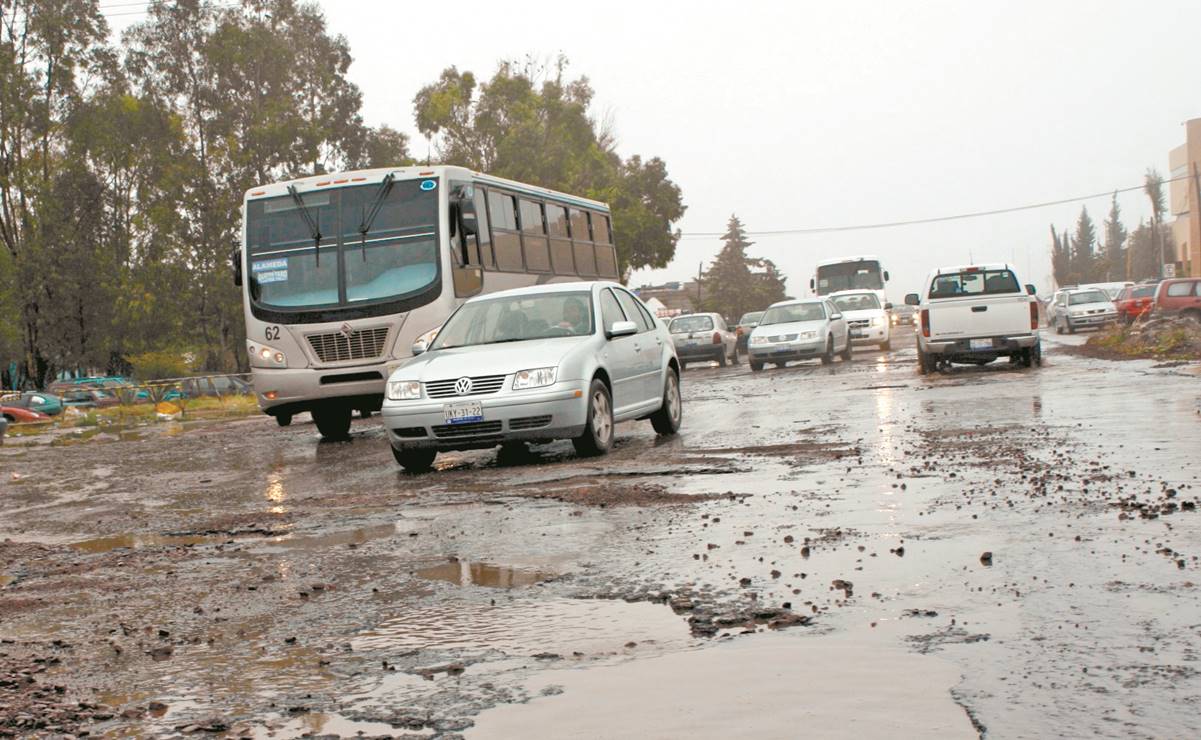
<point>886,345</point>
<point>667,419</point>
<point>755,366</point>
<point>598,428</point>
<point>415,461</point>
<point>283,419</point>
<point>828,357</point>
<point>923,362</point>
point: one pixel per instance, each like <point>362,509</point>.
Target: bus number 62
<point>272,333</point>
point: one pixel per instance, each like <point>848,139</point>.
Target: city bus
<point>850,273</point>
<point>342,274</point>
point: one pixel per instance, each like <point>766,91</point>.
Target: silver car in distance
<point>561,361</point>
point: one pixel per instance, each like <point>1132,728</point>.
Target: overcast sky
<point>835,113</point>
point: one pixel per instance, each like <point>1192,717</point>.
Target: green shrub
<point>159,365</point>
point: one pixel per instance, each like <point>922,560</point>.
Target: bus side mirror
<point>812,284</point>
<point>1030,289</point>
<point>887,306</point>
<point>912,300</point>
<point>235,261</point>
<point>886,278</point>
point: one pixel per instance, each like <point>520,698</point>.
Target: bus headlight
<point>404,390</point>
<point>263,356</point>
<point>536,378</point>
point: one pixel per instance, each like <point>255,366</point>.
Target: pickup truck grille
<point>366,344</point>
<point>481,385</point>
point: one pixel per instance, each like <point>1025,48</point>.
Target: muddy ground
<point>841,550</point>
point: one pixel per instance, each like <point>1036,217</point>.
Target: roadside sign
<point>1169,269</point>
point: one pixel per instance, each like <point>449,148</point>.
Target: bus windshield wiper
<point>365,225</point>
<point>314,226</point>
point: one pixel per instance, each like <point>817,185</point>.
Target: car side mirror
<point>887,306</point>
<point>835,317</point>
<point>235,261</point>
<point>622,329</point>
<point>1030,289</point>
<point>912,299</point>
<point>419,347</point>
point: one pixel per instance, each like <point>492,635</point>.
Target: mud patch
<point>950,635</point>
<point>463,573</point>
<point>5,580</point>
<point>138,541</point>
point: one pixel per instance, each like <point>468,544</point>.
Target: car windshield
<point>793,312</point>
<point>974,282</point>
<point>1146,291</point>
<point>1087,296</point>
<point>396,258</point>
<point>856,301</point>
<point>750,319</point>
<point>518,319</point>
<point>689,324</point>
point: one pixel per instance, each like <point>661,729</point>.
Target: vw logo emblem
<point>463,386</point>
<point>346,330</point>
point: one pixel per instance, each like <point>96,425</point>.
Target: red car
<point>1135,301</point>
<point>1179,297</point>
<point>18,415</point>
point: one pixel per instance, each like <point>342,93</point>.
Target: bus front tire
<point>415,461</point>
<point>333,422</point>
<point>283,419</point>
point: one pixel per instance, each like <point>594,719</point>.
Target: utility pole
<point>1194,226</point>
<point>700,270</point>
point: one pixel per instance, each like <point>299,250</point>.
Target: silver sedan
<point>561,361</point>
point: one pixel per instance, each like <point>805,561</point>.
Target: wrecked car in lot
<point>563,361</point>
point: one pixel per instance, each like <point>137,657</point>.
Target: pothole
<point>137,541</point>
<point>464,573</point>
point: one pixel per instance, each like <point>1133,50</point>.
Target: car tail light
<point>1033,315</point>
<point>925,322</point>
<point>717,337</point>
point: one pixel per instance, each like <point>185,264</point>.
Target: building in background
<point>1184,164</point>
<point>671,299</point>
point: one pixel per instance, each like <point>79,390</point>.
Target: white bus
<point>850,273</point>
<point>343,273</point>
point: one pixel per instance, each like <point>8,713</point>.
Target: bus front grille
<point>366,344</point>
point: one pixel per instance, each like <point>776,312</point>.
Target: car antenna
<point>314,226</point>
<point>365,225</point>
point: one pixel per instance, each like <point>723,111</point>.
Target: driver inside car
<point>575,317</point>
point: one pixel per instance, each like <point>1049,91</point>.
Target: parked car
<point>1179,297</point>
<point>745,326</point>
<point>1080,308</point>
<point>799,330</point>
<point>1110,289</point>
<point>974,314</point>
<point>865,316</point>
<point>45,403</point>
<point>214,385</point>
<point>19,415</point>
<point>903,315</point>
<point>703,337</point>
<point>1134,302</point>
<point>89,398</point>
<point>102,382</point>
<point>559,361</point>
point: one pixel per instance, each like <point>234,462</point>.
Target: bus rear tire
<point>333,421</point>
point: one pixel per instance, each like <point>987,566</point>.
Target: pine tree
<point>1084,259</point>
<point>731,288</point>
<point>1115,242</point>
<point>1060,258</point>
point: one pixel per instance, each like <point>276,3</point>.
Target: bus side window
<point>533,236</point>
<point>581,242</point>
<point>561,258</point>
<point>506,239</point>
<point>606,253</point>
<point>484,236</point>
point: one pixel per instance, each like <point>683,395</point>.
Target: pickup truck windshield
<point>687,324</point>
<point>856,301</point>
<point>975,282</point>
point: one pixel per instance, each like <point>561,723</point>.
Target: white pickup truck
<point>974,314</point>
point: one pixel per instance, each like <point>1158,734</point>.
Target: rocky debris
<point>949,635</point>
<point>986,557</point>
<point>846,587</point>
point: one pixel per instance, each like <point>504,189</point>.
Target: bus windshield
<point>397,257</point>
<point>857,275</point>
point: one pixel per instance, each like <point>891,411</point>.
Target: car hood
<point>1107,305</point>
<point>863,313</point>
<point>487,359</point>
<point>791,327</point>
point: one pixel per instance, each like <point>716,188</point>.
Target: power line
<point>918,221</point>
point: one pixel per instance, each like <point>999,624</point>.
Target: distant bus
<point>849,273</point>
<point>343,273</point>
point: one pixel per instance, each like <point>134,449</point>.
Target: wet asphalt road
<point>240,578</point>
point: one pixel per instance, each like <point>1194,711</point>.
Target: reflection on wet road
<point>246,576</point>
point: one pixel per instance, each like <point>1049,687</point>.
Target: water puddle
<point>464,573</point>
<point>335,539</point>
<point>328,725</point>
<point>137,541</point>
<point>520,627</point>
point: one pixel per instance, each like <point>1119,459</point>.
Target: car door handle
<point>978,309</point>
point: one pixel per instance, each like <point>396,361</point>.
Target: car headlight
<point>264,356</point>
<point>806,335</point>
<point>403,390</point>
<point>536,378</point>
<point>758,339</point>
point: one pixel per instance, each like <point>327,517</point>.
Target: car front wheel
<point>667,419</point>
<point>415,461</point>
<point>598,428</point>
<point>828,356</point>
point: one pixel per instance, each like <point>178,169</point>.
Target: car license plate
<point>980,344</point>
<point>463,413</point>
<point>856,334</point>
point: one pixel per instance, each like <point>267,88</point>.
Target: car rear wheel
<point>847,351</point>
<point>598,428</point>
<point>734,358</point>
<point>415,461</point>
<point>283,419</point>
<point>667,419</point>
<point>828,356</point>
<point>721,357</point>
<point>333,421</point>
<point>755,366</point>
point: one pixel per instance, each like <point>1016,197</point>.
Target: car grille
<point>860,323</point>
<point>366,344</point>
<point>481,385</point>
<point>529,422</point>
<point>782,338</point>
<point>454,431</point>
